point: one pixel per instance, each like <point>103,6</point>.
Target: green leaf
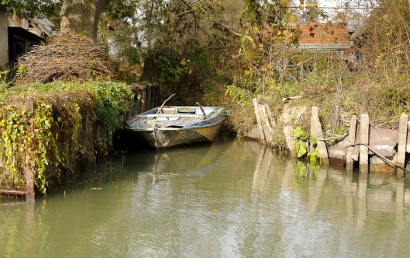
<point>302,150</point>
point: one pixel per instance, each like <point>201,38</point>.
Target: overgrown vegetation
<point>218,53</point>
<point>49,127</point>
<point>371,77</point>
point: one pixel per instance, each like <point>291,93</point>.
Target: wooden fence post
<point>402,142</point>
<point>364,139</point>
<point>259,121</point>
<point>351,140</point>
<point>316,131</point>
<point>29,169</point>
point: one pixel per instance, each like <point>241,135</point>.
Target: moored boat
<point>165,127</point>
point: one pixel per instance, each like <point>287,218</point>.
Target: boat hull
<point>178,125</point>
<point>165,138</point>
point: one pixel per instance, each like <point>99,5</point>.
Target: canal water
<point>231,198</point>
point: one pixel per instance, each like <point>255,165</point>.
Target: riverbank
<point>56,128</point>
<point>363,144</point>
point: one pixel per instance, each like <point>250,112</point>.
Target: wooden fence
<point>146,97</point>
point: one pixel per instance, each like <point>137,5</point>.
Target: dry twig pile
<point>65,58</point>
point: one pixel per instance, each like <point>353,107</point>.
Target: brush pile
<point>65,57</point>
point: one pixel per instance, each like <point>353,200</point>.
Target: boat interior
<point>181,111</point>
<point>181,116</point>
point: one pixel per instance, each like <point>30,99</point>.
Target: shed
<point>21,35</point>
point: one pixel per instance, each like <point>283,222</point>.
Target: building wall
<point>314,33</point>
<point>4,39</point>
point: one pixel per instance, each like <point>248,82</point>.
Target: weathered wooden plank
<point>290,141</point>
<point>12,192</point>
<point>364,139</point>
<point>316,131</point>
<point>258,119</point>
<point>351,140</point>
<point>402,142</point>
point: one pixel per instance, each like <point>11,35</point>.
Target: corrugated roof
<point>45,25</point>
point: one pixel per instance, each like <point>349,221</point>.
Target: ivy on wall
<point>43,126</point>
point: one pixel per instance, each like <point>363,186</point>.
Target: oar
<point>203,112</point>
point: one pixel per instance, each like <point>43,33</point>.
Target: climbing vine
<point>44,126</point>
<point>314,157</point>
<point>300,144</point>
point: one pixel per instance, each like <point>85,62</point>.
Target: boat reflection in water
<point>189,160</point>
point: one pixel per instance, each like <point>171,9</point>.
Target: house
<point>317,36</point>
<point>20,35</point>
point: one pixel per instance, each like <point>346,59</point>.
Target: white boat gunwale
<point>174,128</point>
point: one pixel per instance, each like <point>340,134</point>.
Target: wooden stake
<point>401,150</point>
<point>270,116</point>
<point>266,125</point>
<point>364,140</point>
<point>351,140</point>
<point>259,121</point>
<point>316,131</point>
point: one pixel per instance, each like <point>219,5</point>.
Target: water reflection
<point>228,199</point>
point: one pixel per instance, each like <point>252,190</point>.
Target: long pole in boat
<point>203,112</point>
<point>160,108</point>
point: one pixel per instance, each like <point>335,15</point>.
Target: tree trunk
<point>139,49</point>
<point>81,17</point>
<point>138,43</point>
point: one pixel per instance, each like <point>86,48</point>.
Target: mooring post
<point>29,177</point>
<point>290,141</point>
<point>351,139</point>
<point>270,116</point>
<point>401,149</point>
<point>266,124</point>
<point>316,131</point>
<point>364,139</point>
<point>312,132</point>
<point>258,120</point>
<point>29,169</point>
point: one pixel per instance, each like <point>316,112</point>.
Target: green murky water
<point>228,199</point>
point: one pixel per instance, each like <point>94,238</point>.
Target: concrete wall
<point>4,39</point>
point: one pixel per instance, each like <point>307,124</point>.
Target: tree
<point>81,17</point>
<point>30,8</point>
<point>77,16</point>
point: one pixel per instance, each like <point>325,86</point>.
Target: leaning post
<point>316,131</point>
<point>401,149</point>
<point>259,121</point>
